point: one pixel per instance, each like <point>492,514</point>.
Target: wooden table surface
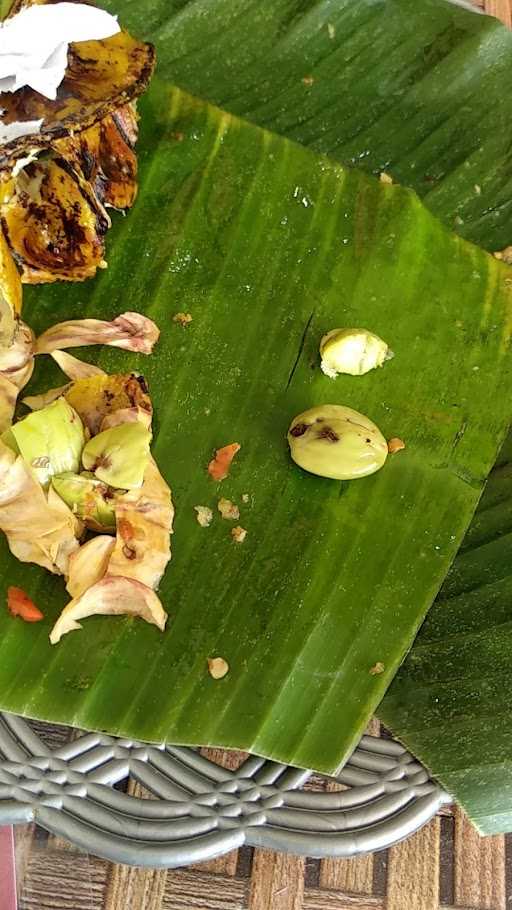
<point>446,865</point>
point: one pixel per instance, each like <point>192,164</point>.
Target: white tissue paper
<point>10,131</point>
<point>34,44</point>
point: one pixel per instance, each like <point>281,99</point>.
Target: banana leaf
<point>421,89</point>
<point>450,702</point>
<point>268,246</point>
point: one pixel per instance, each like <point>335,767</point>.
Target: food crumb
<point>20,604</point>
<point>377,669</point>
<point>395,445</point>
<point>220,465</point>
<point>385,178</point>
<point>217,667</point>
<point>245,497</point>
<point>478,189</point>
<point>182,318</point>
<point>204,516</point>
<point>125,529</point>
<point>238,534</point>
<point>331,31</point>
<point>308,80</point>
<point>228,509</point>
<point>177,136</point>
<point>505,255</point>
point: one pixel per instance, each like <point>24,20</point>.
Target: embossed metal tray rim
<point>200,810</point>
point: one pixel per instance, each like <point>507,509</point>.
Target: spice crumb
<point>238,534</point>
<point>228,509</point>
<point>331,31</point>
<point>395,445</point>
<point>505,255</point>
<point>308,80</point>
<point>177,136</point>
<point>219,466</point>
<point>385,178</point>
<point>377,669</point>
<point>245,497</point>
<point>20,604</point>
<point>182,318</point>
<point>204,516</point>
<point>217,667</point>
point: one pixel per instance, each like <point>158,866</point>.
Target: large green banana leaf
<point>419,88</point>
<point>422,90</point>
<point>450,702</point>
<point>268,246</point>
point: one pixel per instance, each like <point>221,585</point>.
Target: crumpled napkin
<point>34,43</point>
<point>11,131</point>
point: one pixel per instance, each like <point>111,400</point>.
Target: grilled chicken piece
<point>54,227</point>
<point>104,156</point>
<point>56,185</point>
<point>101,77</point>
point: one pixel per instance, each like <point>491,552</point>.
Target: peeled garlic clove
<point>336,442</point>
<point>352,351</point>
<point>119,456</point>
<point>89,499</point>
<point>50,441</point>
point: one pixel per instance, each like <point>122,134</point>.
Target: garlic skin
<point>337,442</point>
<point>352,351</point>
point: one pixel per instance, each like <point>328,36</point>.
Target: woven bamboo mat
<point>446,865</point>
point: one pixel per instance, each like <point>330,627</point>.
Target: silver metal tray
<point>200,810</point>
